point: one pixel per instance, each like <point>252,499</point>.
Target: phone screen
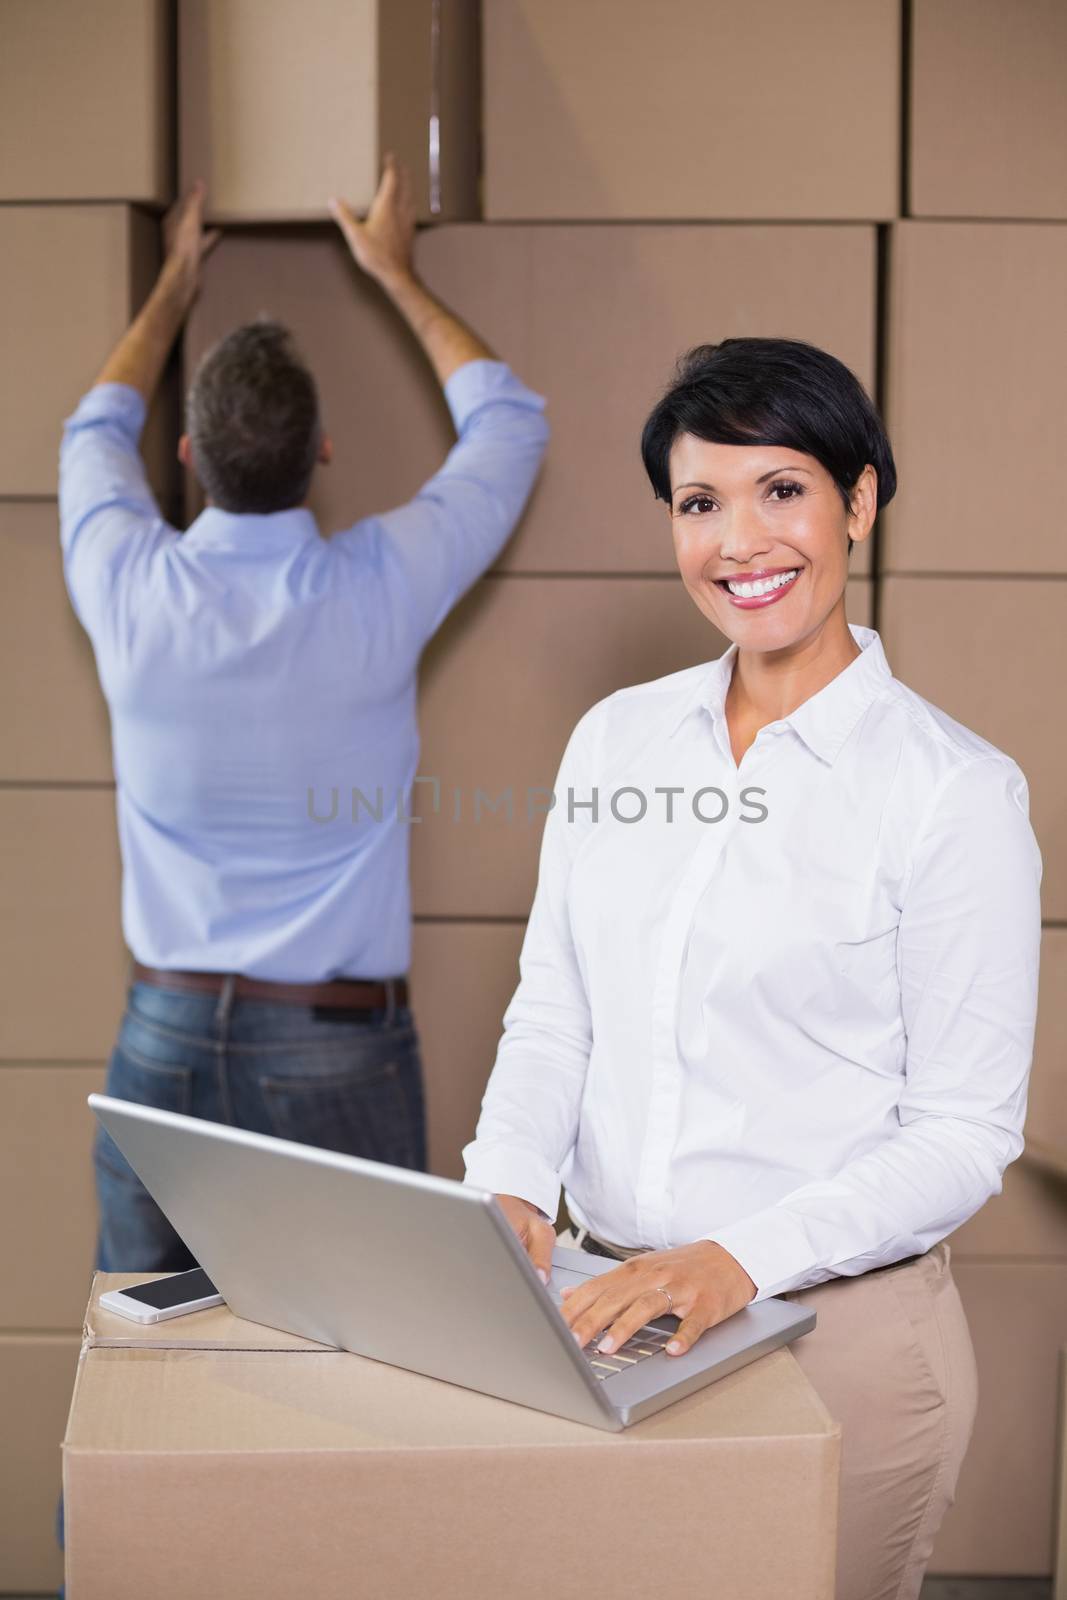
<point>165,1293</point>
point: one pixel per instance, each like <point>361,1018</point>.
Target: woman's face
<point>757,512</point>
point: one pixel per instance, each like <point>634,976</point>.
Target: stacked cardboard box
<point>85,101</point>
<point>280,109</point>
<point>970,591</point>
<point>205,1433</point>
<point>86,159</point>
<point>74,276</point>
<point>989,109</point>
<point>616,112</point>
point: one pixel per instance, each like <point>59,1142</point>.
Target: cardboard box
<point>209,1453</point>
<point>1002,1518</point>
<point>700,109</point>
<point>462,976</point>
<point>36,1372</point>
<point>74,278</point>
<point>281,107</point>
<point>593,318</point>
<point>976,392</point>
<point>988,109</point>
<point>85,100</point>
<point>59,913</point>
<point>1059,1560</point>
<point>47,1202</point>
<point>993,655</point>
<point>1046,1117</point>
<point>53,720</point>
<point>1029,1216</point>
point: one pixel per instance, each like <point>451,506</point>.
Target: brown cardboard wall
<point>1029,1216</point>
<point>1046,1121</point>
<point>993,654</point>
<point>976,396</point>
<point>36,1377</point>
<point>666,289</point>
<point>47,1226</point>
<point>73,278</point>
<point>85,102</point>
<point>526,289</point>
<point>279,119</point>
<point>59,924</point>
<point>989,109</point>
<point>53,717</point>
<point>685,111</point>
<point>1002,1520</point>
<point>462,975</point>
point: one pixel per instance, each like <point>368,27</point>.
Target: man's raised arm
<point>461,518</point>
<point>382,247</point>
<point>107,511</point>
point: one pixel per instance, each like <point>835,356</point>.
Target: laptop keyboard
<point>647,1341</point>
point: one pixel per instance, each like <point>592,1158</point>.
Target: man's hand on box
<point>383,244</point>
<point>705,1283</point>
<point>186,241</point>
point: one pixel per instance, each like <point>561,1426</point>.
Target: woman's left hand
<point>706,1285</point>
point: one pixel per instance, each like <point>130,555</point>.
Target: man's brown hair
<point>252,415</point>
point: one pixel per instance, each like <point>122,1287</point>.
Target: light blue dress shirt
<point>258,676</point>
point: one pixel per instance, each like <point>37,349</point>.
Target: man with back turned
<point>248,663</point>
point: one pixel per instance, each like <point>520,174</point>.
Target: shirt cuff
<point>513,1172</point>
<point>481,382</point>
<point>113,402</point>
<point>773,1247</point>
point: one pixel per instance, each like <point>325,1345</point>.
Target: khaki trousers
<point>892,1360</point>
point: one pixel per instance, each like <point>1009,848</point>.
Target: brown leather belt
<point>598,1247</point>
<point>347,994</point>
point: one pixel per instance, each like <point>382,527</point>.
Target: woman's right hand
<point>532,1229</point>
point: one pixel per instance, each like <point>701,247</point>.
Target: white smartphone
<point>164,1297</point>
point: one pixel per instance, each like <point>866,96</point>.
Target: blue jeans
<point>340,1080</point>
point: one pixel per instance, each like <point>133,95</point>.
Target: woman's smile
<point>752,591</point>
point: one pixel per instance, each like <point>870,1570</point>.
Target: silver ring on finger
<point>670,1300</point>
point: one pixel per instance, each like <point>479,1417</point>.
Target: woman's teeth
<point>749,591</point>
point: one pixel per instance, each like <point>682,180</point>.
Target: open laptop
<point>416,1271</point>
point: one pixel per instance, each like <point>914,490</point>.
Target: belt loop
<point>580,1236</point>
<point>390,1001</point>
<point>222,1010</point>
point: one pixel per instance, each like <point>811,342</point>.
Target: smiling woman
<point>774,463</point>
<point>785,1054</point>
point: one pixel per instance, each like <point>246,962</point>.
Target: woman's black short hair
<point>772,391</point>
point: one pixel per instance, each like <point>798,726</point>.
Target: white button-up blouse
<point>788,1005</point>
